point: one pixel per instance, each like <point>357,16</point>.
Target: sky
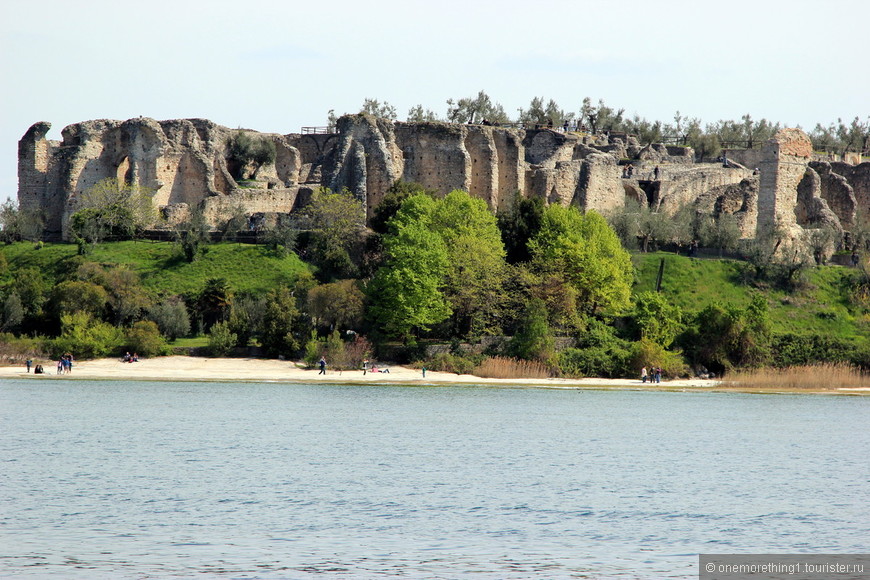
<point>276,66</point>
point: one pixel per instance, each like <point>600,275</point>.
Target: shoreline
<point>186,368</point>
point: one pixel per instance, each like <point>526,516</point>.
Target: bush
<point>596,361</point>
<point>453,363</point>
<point>645,354</point>
<point>805,349</point>
<point>144,339</point>
<point>87,338</point>
<point>220,339</point>
<point>14,350</point>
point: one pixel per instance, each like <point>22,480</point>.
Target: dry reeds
<point>510,368</point>
<point>824,376</point>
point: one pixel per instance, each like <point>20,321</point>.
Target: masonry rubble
<point>187,164</point>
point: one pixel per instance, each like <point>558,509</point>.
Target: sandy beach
<point>184,368</point>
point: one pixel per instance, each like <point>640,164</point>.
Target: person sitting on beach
<point>126,357</point>
<point>134,358</point>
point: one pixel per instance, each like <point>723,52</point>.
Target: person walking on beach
<point>643,375</point>
<point>29,363</point>
<point>322,364</point>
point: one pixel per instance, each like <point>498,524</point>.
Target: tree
<point>587,252</point>
<point>534,340</point>
<point>281,238</point>
<point>418,114</point>
<point>721,232</point>
<point>13,313</point>
<point>171,317</point>
<point>398,192</point>
<point>79,296</point>
<point>127,298</point>
<point>280,323</point>
<point>479,108</point>
<point>383,110</point>
<point>475,275</point>
<point>86,337</point>
<point>540,114</point>
<point>214,302</point>
<point>112,209</point>
<point>406,292</point>
<point>518,225</point>
<point>29,285</point>
<point>192,235</point>
<point>655,319</point>
<point>336,224</point>
<point>144,338</point>
<point>337,305</point>
<point>221,340</point>
<point>17,224</point>
<point>246,317</point>
<point>247,152</point>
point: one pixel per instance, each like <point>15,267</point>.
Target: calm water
<point>162,480</point>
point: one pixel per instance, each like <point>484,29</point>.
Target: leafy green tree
<point>79,296</point>
<point>392,201</point>
<point>128,299</point>
<point>336,224</point>
<point>144,339</point>
<point>476,262</point>
<point>246,318</point>
<point>337,305</point>
<point>171,317</point>
<point>655,319</point>
<point>406,292</point>
<point>475,109</point>
<point>221,340</point>
<point>587,252</point>
<point>281,238</point>
<point>86,337</point>
<point>30,287</point>
<point>534,340</point>
<point>280,333</point>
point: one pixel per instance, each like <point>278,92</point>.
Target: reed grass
<point>823,376</point>
<point>510,368</point>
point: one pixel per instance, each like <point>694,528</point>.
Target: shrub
<point>596,361</point>
<point>86,337</point>
<point>15,350</point>
<point>645,353</point>
<point>220,339</point>
<point>144,339</point>
<point>804,349</point>
<point>453,363</point>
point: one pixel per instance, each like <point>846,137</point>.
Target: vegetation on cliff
<point>437,270</point>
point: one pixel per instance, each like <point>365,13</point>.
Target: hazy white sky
<point>276,66</point>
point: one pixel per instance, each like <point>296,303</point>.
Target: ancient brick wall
<point>784,163</point>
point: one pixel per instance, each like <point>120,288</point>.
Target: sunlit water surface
<point>258,480</point>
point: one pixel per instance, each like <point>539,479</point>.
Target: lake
<point>263,480</point>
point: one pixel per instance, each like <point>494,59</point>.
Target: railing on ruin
<point>318,130</point>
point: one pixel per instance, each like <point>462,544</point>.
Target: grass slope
<point>821,306</point>
<point>247,268</point>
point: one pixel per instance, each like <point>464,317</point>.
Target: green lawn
<point>821,306</point>
<point>247,268</point>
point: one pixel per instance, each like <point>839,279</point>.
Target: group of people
<point>130,358</point>
<point>65,364</point>
<point>654,375</point>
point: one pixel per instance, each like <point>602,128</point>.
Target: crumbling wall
<point>599,184</point>
<point>835,190</point>
<point>784,163</point>
<point>686,184</point>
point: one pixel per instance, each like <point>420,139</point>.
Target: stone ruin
<point>187,164</point>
